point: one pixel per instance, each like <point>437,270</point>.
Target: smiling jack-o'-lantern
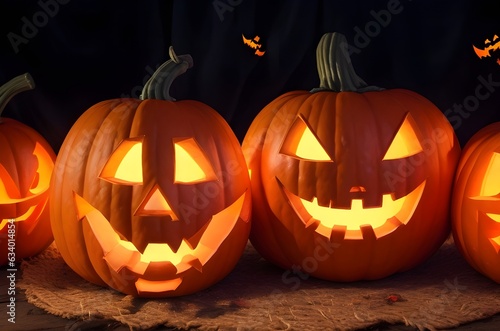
<point>349,181</point>
<point>26,164</point>
<point>151,197</point>
<point>476,202</point>
<point>490,46</point>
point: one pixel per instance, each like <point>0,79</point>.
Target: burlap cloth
<point>444,292</point>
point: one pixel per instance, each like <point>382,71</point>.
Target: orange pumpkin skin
<point>476,202</point>
<point>355,131</point>
<point>211,216</point>
<point>26,164</point>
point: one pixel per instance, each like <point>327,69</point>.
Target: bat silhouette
<point>253,43</point>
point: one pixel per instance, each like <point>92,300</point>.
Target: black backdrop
<point>83,52</point>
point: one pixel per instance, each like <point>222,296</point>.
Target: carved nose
<point>357,189</point>
<point>156,204</point>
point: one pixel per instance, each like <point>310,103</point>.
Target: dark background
<point>83,52</point>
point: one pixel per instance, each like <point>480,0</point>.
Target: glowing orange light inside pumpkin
<point>491,187</point>
<point>191,164</point>
<point>301,142</point>
<point>125,167</point>
<point>405,143</point>
<point>21,218</point>
<point>491,180</point>
<point>9,191</point>
<point>125,164</point>
<point>156,204</point>
<point>32,203</point>
<point>119,253</point>
<point>382,220</point>
<point>496,242</point>
<point>357,216</point>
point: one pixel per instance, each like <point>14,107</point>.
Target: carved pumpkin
<point>151,197</point>
<point>349,181</point>
<point>476,202</point>
<point>490,47</point>
<point>26,164</point>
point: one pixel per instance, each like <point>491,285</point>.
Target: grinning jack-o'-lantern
<point>349,181</point>
<point>151,197</point>
<point>26,164</point>
<point>490,46</point>
<point>476,202</point>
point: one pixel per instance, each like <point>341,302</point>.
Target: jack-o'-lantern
<point>26,164</point>
<point>349,181</point>
<point>151,197</point>
<point>490,47</point>
<point>476,202</point>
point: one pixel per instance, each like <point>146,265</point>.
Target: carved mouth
<point>31,214</point>
<point>489,222</point>
<point>120,254</point>
<point>495,240</point>
<point>487,51</point>
<point>357,222</point>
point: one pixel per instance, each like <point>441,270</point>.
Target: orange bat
<point>253,43</point>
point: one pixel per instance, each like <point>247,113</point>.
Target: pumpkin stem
<point>335,68</point>
<point>14,86</point>
<point>158,86</point>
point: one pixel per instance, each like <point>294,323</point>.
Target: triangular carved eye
<point>125,164</point>
<point>302,143</point>
<point>41,179</point>
<point>191,164</point>
<point>8,188</point>
<point>405,143</point>
<point>491,179</point>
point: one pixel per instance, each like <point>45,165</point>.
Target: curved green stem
<point>335,68</point>
<point>158,86</point>
<point>14,86</point>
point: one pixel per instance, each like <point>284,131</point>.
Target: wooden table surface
<point>30,318</point>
